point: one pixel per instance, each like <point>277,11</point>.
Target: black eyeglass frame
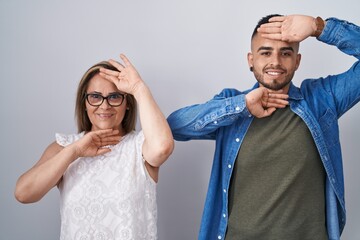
<point>103,98</point>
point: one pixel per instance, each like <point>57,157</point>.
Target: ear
<point>298,59</point>
<point>250,59</point>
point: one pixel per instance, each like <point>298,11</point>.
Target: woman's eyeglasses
<point>114,99</point>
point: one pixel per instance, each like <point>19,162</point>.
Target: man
<point>277,170</point>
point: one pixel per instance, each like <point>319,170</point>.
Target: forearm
<point>37,181</point>
<point>159,143</point>
<point>201,121</point>
<point>342,34</point>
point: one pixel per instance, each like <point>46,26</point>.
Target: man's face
<point>274,62</point>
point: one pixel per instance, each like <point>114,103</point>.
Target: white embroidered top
<point>111,196</point>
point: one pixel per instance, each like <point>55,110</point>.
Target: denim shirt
<point>319,102</point>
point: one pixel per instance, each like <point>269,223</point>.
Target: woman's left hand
<point>127,79</point>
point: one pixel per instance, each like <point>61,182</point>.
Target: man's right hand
<point>262,102</point>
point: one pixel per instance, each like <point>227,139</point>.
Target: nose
<point>275,60</point>
<point>105,105</point>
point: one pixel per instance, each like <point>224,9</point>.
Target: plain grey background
<point>186,51</point>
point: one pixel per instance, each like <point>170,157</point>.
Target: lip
<point>105,115</point>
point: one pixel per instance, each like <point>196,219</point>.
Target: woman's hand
<point>94,143</point>
<point>126,79</point>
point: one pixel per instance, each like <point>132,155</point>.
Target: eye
<point>286,54</point>
<point>265,53</point>
<point>115,96</point>
<point>95,96</point>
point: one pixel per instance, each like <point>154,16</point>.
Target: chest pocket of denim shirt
<point>329,126</point>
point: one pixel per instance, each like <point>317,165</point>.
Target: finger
<point>107,143</point>
<point>275,96</point>
<point>271,25</point>
<point>101,142</point>
<point>278,93</point>
<point>276,105</point>
<point>269,111</point>
<point>109,72</point>
<point>125,60</point>
<point>269,30</point>
<point>116,64</point>
<point>278,101</point>
<point>274,36</point>
<point>101,151</point>
<point>114,80</point>
<point>277,19</point>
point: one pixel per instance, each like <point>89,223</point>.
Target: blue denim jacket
<point>319,102</point>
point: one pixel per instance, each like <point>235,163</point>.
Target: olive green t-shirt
<point>277,186</point>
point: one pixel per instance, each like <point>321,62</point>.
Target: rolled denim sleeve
<point>342,34</point>
<point>344,87</point>
<point>201,121</point>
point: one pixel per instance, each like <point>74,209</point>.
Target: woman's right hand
<point>94,143</point>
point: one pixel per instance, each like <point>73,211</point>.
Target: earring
<point>251,69</point>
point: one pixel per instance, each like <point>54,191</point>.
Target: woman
<point>107,173</point>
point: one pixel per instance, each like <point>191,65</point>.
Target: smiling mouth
<point>275,73</point>
<point>105,115</point>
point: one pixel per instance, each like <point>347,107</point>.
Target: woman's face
<point>104,116</point>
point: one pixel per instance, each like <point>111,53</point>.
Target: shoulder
<point>228,92</point>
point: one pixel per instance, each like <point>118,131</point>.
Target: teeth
<point>273,73</point>
<point>105,115</point>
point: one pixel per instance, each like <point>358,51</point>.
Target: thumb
<point>269,111</point>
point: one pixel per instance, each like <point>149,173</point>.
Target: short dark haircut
<point>262,21</point>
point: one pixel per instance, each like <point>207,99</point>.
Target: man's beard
<point>274,85</point>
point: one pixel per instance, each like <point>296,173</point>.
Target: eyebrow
<point>111,93</point>
<point>281,49</point>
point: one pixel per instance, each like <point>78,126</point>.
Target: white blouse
<point>110,196</point>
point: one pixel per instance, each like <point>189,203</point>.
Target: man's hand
<point>292,28</point>
<point>262,102</point>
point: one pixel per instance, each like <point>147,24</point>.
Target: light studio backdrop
<point>186,51</point>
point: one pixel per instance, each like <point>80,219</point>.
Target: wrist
<point>318,26</point>
<point>140,90</point>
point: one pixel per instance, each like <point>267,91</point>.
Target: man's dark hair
<point>262,21</point>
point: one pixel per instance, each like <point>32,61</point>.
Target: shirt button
<point>237,108</point>
<point>224,215</point>
<point>224,190</point>
<point>215,122</point>
<point>229,166</point>
<point>237,139</point>
<point>219,237</point>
